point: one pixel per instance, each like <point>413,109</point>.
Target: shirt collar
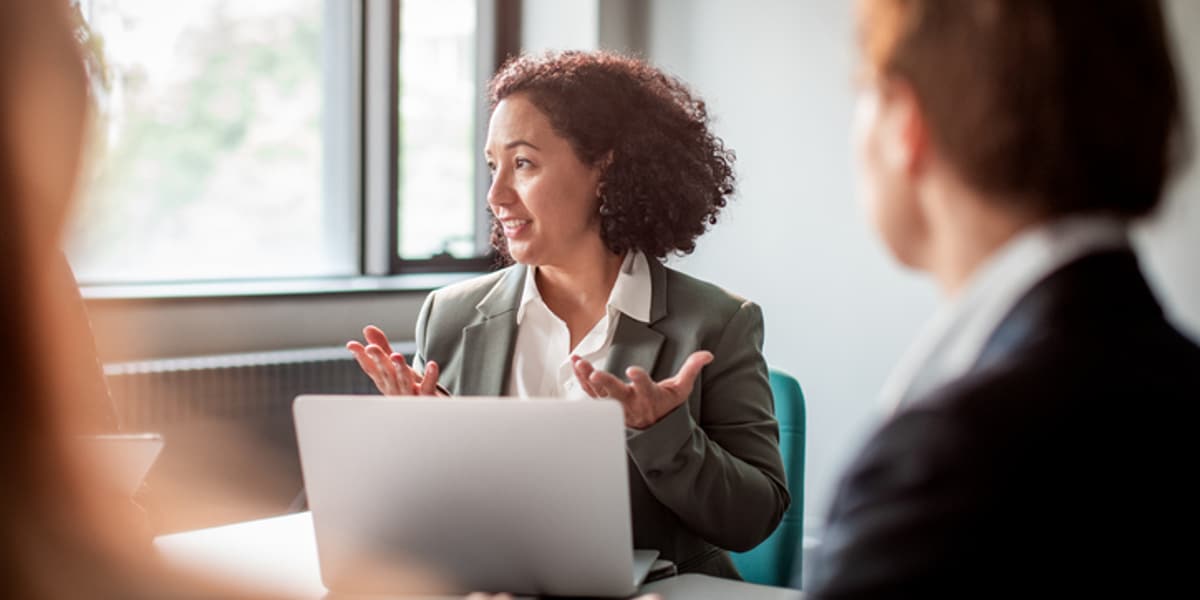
<point>631,293</point>
<point>529,294</point>
<point>952,341</point>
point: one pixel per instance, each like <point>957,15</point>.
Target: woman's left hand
<point>645,401</point>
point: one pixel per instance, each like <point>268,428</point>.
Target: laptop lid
<point>451,495</point>
<point>124,458</point>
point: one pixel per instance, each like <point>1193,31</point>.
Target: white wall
<point>777,75</point>
<point>1170,243</point>
<point>560,24</point>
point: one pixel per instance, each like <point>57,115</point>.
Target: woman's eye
<point>491,167</point>
<point>522,162</point>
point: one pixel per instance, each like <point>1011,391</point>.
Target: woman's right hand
<point>388,369</point>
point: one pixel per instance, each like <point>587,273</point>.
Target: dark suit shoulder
<point>1084,345</point>
<point>1021,461</point>
<point>1078,374</point>
<point>1050,443</point>
<point>1077,411</point>
<point>1065,399</point>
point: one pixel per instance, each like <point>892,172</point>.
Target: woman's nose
<point>499,193</point>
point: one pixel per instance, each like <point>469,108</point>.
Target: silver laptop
<point>451,495</point>
<point>123,458</point>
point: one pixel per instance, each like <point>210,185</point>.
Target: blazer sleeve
<point>421,334</point>
<point>902,513</point>
<point>723,476</point>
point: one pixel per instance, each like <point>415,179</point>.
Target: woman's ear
<point>599,169</point>
<point>604,163</point>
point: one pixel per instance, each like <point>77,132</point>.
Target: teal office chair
<point>773,562</point>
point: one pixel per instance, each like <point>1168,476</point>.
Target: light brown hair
<point>1066,106</point>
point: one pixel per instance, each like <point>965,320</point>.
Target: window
<point>233,139</point>
<point>438,146</point>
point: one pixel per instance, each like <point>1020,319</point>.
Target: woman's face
<point>544,197</point>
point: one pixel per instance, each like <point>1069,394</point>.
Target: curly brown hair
<point>665,176</point>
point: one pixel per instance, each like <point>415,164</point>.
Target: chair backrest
<point>773,562</point>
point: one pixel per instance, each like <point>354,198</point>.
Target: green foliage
<point>170,139</point>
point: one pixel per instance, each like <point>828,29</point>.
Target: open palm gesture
<point>644,400</point>
<point>388,369</point>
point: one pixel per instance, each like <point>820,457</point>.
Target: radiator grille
<point>150,394</point>
<point>202,405</point>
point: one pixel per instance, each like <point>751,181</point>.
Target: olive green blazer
<point>707,477</point>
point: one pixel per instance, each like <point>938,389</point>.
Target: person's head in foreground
<point>60,537</point>
<point>997,114</point>
<point>66,531</point>
<point>1004,147</point>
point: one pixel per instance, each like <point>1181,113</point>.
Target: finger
<point>583,369</point>
<point>405,376</point>
<point>614,388</point>
<point>360,356</point>
<point>608,385</point>
<point>405,370</point>
<point>368,366</point>
<point>686,377</point>
<point>429,381</point>
<point>642,384</point>
<point>375,335</point>
<point>582,365</point>
<point>385,370</point>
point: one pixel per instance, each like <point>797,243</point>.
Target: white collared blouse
<point>541,364</point>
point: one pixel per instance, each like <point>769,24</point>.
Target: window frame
<point>497,34</point>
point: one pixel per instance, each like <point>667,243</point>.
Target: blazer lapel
<point>488,344</point>
<point>636,343</point>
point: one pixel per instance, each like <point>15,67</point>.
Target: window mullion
<point>379,137</point>
<point>342,72</point>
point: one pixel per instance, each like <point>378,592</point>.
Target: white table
<point>279,556</point>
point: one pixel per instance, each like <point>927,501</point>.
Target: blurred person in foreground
<point>1037,448</point>
<point>61,534</point>
<point>65,532</point>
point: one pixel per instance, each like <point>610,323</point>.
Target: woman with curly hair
<point>602,166</point>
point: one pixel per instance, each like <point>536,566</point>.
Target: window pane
<point>208,159</point>
<point>438,157</point>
